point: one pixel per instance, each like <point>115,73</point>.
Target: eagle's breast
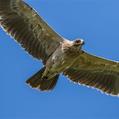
<point>62,58</point>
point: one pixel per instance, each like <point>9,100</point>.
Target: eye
<point>78,41</point>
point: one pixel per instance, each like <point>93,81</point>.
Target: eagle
<point>58,54</point>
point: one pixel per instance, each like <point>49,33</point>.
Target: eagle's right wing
<point>23,23</point>
<point>95,72</point>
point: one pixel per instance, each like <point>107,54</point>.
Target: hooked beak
<point>82,42</point>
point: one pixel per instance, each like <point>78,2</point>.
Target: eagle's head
<point>78,43</point>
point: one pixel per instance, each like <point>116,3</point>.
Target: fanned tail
<point>43,84</point>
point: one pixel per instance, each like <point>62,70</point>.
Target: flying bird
<point>58,54</point>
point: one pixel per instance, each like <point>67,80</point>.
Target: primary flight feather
<point>59,55</point>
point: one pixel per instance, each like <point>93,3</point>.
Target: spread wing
<point>95,72</point>
<point>23,24</point>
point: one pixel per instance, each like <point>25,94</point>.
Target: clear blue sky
<point>96,21</point>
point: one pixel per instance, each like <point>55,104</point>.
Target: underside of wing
<point>95,72</point>
<point>22,22</point>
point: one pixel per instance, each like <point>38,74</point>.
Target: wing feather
<point>20,21</point>
<point>95,72</point>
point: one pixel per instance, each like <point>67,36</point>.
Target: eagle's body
<point>62,58</point>
<point>58,54</point>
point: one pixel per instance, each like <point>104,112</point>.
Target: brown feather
<point>29,29</point>
<point>95,72</point>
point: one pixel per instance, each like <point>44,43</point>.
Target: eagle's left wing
<point>22,22</point>
<point>96,72</point>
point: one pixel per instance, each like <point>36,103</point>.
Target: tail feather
<point>35,80</point>
<point>48,84</point>
<point>43,84</point>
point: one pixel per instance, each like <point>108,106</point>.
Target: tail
<point>43,84</point>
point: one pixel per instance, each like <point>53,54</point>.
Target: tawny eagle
<point>58,54</point>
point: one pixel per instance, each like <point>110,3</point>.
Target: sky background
<point>97,22</point>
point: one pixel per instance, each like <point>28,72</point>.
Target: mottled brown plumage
<point>59,55</point>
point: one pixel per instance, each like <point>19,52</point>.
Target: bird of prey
<point>59,55</point>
